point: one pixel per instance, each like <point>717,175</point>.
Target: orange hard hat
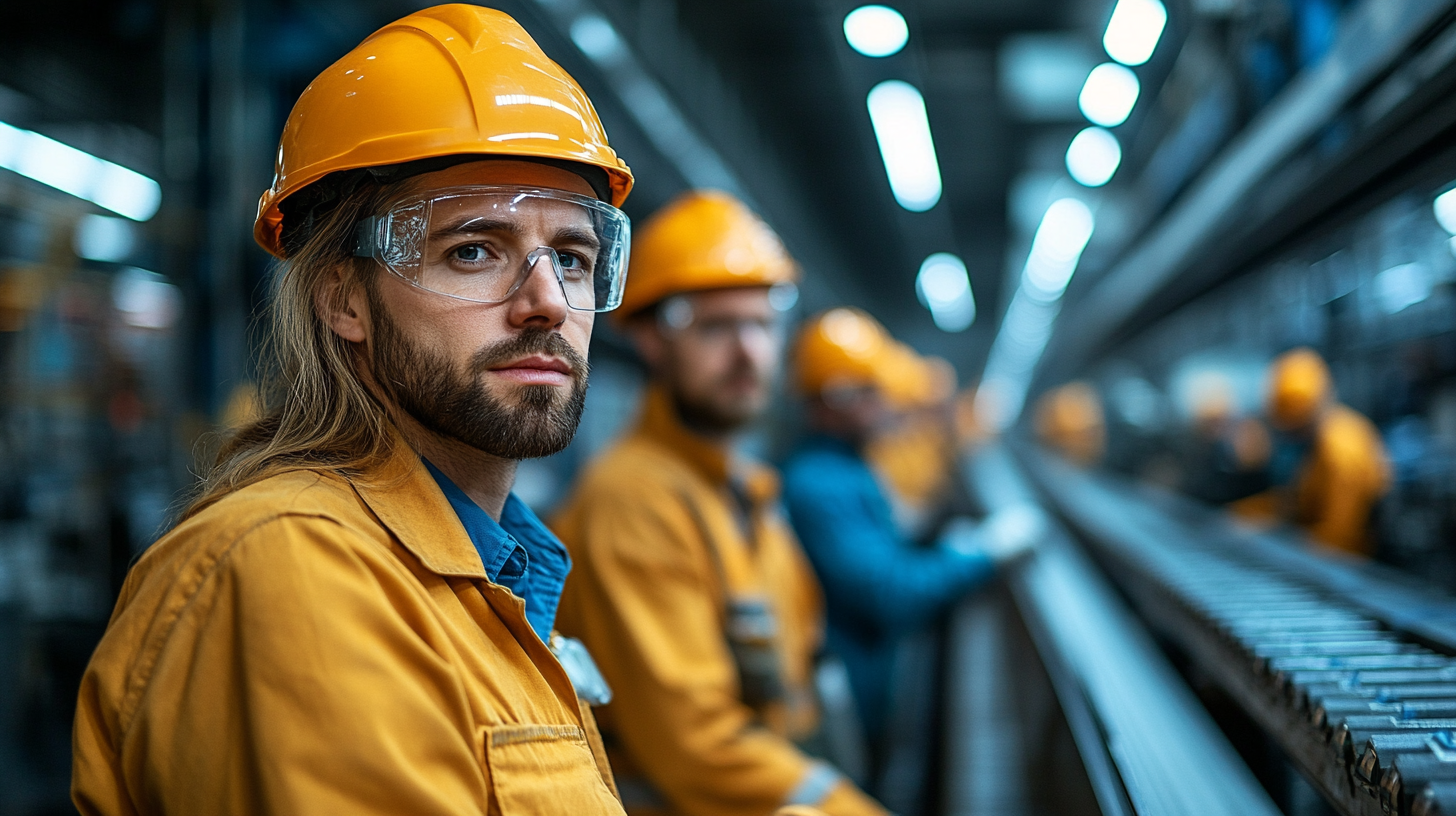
<point>842,348</point>
<point>905,377</point>
<point>912,381</point>
<point>446,81</point>
<point>1299,385</point>
<point>703,239</point>
<point>1070,420</point>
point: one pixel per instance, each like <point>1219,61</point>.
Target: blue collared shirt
<point>519,553</point>
<point>878,586</point>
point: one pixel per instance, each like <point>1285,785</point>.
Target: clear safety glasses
<point>481,243</point>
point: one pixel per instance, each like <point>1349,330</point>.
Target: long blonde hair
<point>317,412</point>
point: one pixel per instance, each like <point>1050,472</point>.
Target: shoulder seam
<point>139,680</point>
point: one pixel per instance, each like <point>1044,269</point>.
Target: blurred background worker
<point>916,454</point>
<point>1224,456</point>
<point>879,586</point>
<point>1069,420</point>
<point>688,586</point>
<point>1329,467</point>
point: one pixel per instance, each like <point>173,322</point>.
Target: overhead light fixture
<point>944,287</point>
<point>1134,30</point>
<point>103,238</point>
<point>1109,94</point>
<point>145,299</point>
<point>876,31</point>
<point>1064,232</point>
<point>597,39</point>
<point>43,159</point>
<point>1402,286</point>
<point>1445,210</point>
<point>1056,249</point>
<point>902,128</point>
<point>1093,157</point>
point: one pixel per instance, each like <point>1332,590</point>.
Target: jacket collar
<point>715,460</point>
<point>410,503</point>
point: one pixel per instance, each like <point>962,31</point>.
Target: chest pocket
<point>545,769</point>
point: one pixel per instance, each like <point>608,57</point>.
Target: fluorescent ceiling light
<point>1445,207</point>
<point>1093,157</point>
<point>1109,94</point>
<point>145,299</point>
<point>1041,74</point>
<point>123,191</point>
<point>1402,286</point>
<point>902,128</point>
<point>944,288</point>
<point>597,39</point>
<point>876,31</point>
<point>1065,229</point>
<point>103,238</point>
<point>1064,232</point>
<point>1133,32</point>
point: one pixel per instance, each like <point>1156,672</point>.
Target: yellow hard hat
<point>703,239</point>
<point>912,381</point>
<point>840,348</point>
<point>446,81</point>
<point>1070,420</point>
<point>1299,384</point>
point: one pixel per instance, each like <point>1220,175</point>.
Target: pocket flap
<point>545,769</point>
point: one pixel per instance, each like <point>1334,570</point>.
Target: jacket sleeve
<point>1349,478</point>
<point>646,605</point>
<point>306,676</point>
<point>869,573</point>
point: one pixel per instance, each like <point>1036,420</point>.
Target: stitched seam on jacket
<point>140,678</point>
<point>514,735</point>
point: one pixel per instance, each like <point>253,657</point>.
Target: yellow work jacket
<point>318,645</point>
<point>1341,478</point>
<point>1344,475</point>
<point>915,461</point>
<point>667,533</point>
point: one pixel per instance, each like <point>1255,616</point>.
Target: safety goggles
<point>481,243</point>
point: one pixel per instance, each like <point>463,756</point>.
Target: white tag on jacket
<point>585,677</point>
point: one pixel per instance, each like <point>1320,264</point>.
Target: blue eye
<point>470,253</point>
<point>575,265</point>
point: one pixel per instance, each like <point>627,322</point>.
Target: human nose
<point>756,342</point>
<point>540,298</point>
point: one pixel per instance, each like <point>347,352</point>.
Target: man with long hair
<point>354,614</point>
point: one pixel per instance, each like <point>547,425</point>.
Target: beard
<point>715,414</point>
<point>457,405</point>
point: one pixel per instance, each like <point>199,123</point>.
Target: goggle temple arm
<point>368,237</point>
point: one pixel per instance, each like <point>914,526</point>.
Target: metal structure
<point>1347,666</point>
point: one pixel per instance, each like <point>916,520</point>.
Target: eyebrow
<point>481,226</point>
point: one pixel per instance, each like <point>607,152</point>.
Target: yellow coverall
<point>1344,474</point>
<point>662,552</point>
<point>317,645</point>
<point>916,460</point>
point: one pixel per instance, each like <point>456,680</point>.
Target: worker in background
<point>1069,420</point>
<point>916,455</point>
<point>355,615</point>
<point>689,587</point>
<point>1329,466</point>
<point>879,586</point>
<point>1225,456</point>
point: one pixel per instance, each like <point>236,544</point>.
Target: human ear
<point>342,305</point>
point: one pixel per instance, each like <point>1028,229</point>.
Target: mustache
<point>528,342</point>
